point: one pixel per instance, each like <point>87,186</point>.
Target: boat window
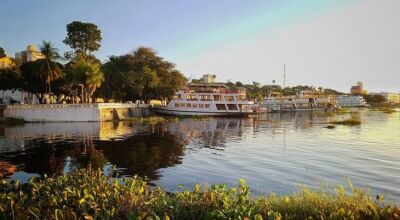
<point>201,105</point>
<point>229,98</point>
<point>194,105</point>
<point>232,107</point>
<point>177,105</point>
<point>205,98</point>
<point>217,98</point>
<point>192,97</point>
<point>206,105</point>
<point>183,105</point>
<point>221,106</point>
<point>189,105</point>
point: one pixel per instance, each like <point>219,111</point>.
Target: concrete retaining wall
<point>77,112</point>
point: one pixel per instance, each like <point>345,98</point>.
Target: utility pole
<point>284,76</point>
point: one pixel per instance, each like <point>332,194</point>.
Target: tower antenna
<point>284,76</point>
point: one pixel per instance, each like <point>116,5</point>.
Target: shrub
<point>86,194</point>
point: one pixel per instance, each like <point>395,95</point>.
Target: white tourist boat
<point>209,99</point>
<point>352,101</point>
<point>306,100</point>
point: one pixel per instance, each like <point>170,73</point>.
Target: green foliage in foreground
<point>85,194</point>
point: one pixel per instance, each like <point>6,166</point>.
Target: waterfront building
<point>351,101</point>
<point>358,89</point>
<point>208,78</point>
<point>29,55</point>
<point>390,97</point>
<point>14,96</point>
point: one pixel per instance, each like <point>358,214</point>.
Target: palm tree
<point>88,76</point>
<point>94,78</point>
<point>48,69</point>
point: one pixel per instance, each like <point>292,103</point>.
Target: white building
<point>8,97</point>
<point>351,101</point>
<point>29,55</point>
<point>209,78</point>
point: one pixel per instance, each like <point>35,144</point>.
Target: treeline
<point>79,76</point>
<point>258,91</point>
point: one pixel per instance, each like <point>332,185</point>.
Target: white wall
<point>61,112</point>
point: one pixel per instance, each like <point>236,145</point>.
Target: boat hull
<point>165,111</point>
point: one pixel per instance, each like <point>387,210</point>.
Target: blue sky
<point>239,40</point>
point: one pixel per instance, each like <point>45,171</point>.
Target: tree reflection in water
<point>134,148</point>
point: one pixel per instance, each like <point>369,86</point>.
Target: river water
<point>273,152</point>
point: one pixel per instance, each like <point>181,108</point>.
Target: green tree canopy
<point>374,99</point>
<point>84,38</point>
<point>87,75</point>
<point>32,82</point>
<point>140,75</point>
<point>2,53</point>
<point>10,79</point>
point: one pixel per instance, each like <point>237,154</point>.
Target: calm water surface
<point>274,152</point>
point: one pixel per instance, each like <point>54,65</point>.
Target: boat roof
<point>213,85</point>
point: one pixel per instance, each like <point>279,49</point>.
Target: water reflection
<point>272,151</point>
<point>54,148</point>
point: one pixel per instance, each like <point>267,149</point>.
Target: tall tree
<point>48,69</point>
<point>141,75</point>
<point>84,38</point>
<point>2,53</point>
<point>32,82</point>
<point>88,76</point>
<point>10,79</point>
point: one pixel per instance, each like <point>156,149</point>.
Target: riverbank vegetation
<point>11,121</point>
<point>87,194</point>
<point>384,109</point>
<point>342,111</point>
<point>349,122</point>
<point>152,119</point>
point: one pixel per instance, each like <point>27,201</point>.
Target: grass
<point>385,109</point>
<point>342,111</point>
<point>12,121</point>
<point>349,122</point>
<point>87,194</point>
<point>152,119</point>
